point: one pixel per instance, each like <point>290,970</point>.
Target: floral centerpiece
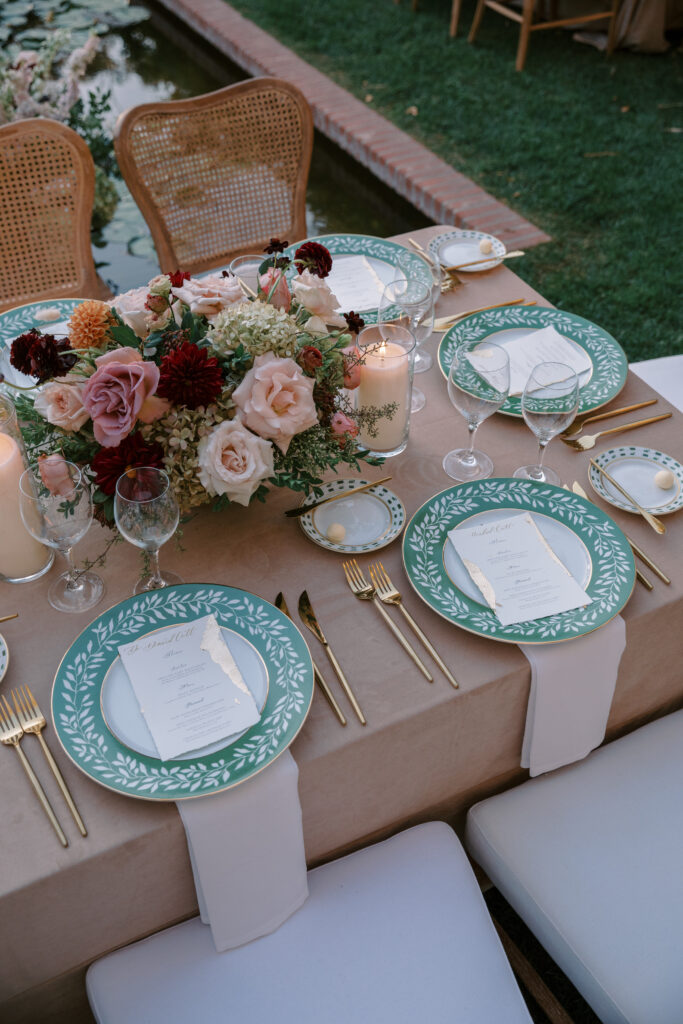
<point>230,393</point>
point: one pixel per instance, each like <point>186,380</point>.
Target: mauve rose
<point>351,357</point>
<point>315,296</point>
<point>280,296</point>
<point>60,401</point>
<point>116,393</point>
<point>210,295</point>
<point>340,425</point>
<point>276,399</point>
<point>233,461</point>
<point>55,474</point>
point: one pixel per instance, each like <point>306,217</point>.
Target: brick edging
<point>409,168</point>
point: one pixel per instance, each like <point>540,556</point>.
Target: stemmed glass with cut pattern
<point>147,515</point>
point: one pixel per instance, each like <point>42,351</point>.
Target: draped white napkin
<point>572,685</point>
<point>247,852</point>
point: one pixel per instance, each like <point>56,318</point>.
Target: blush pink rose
<point>341,424</point>
<point>115,395</point>
<point>233,461</point>
<point>276,399</point>
<point>280,296</point>
<point>55,473</point>
<point>317,297</point>
<point>351,357</point>
<point>209,295</point>
<point>131,308</point>
<point>60,401</point>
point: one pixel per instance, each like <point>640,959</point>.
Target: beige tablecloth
<point>428,751</point>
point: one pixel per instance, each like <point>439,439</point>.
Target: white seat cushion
<point>591,857</point>
<point>398,932</point>
<point>665,376</point>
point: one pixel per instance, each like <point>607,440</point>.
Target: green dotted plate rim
<point>610,364</point>
<point>88,742</point>
<point>392,501</point>
<point>605,459</point>
<point>4,657</point>
<point>613,568</point>
<point>368,245</point>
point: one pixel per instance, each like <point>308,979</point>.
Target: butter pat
<point>336,533</point>
<point>485,246</point>
<point>664,479</point>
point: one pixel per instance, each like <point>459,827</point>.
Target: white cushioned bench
<point>591,857</point>
<point>665,376</point>
<point>393,934</point>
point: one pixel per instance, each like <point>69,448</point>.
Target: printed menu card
<point>190,690</point>
<point>518,573</point>
<point>545,345</point>
<point>355,283</point>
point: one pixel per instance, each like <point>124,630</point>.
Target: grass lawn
<point>616,220</point>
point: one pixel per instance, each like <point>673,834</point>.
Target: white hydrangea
<point>258,326</point>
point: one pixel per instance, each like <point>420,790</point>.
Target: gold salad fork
<point>364,591</point>
<point>580,422</point>
<point>582,444</point>
<point>33,721</point>
<point>10,735</point>
<point>388,593</point>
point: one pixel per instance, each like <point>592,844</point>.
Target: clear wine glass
<point>478,384</point>
<point>147,515</point>
<point>246,270</point>
<point>414,300</point>
<point>59,515</point>
<point>406,267</point>
<point>549,404</point>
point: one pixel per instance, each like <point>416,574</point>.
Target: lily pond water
<point>159,60</point>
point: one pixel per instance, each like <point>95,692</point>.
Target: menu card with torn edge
<point>189,688</point>
<point>355,283</point>
<point>517,572</point>
<point>544,345</point>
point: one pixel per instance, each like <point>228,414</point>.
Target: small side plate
<point>372,518</point>
<point>4,656</point>
<point>634,468</point>
<point>459,246</point>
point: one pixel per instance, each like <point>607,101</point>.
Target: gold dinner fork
<point>582,444</point>
<point>388,593</point>
<point>364,591</point>
<point>10,735</point>
<point>32,720</point>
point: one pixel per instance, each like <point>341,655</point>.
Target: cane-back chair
<point>47,187</point>
<point>218,175</point>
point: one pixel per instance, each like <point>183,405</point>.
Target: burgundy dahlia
<point>111,463</point>
<point>190,376</point>
<point>275,245</point>
<point>354,322</point>
<point>177,278</point>
<point>314,257</point>
<point>42,355</point>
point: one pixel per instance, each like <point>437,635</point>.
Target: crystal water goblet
<point>147,515</point>
<point>549,404</point>
<point>478,384</point>
<point>415,303</point>
<point>407,267</point>
<point>58,513</point>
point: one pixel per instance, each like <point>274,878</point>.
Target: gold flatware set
<point>580,422</point>
<point>583,444</point>
<point>444,323</point>
<point>309,619</point>
<point>19,721</point>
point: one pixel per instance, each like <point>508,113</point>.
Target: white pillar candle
<point>385,378</point>
<point>20,554</point>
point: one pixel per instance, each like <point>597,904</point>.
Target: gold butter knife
<point>309,619</point>
<point>6,618</point>
<point>319,678</point>
<point>486,259</point>
<point>301,510</point>
<point>444,323</point>
<point>651,520</point>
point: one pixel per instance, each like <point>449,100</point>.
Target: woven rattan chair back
<point>47,187</point>
<point>218,175</point>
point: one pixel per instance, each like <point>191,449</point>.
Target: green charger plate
<point>380,253</point>
<point>87,739</point>
<point>610,364</point>
<point>611,569</point>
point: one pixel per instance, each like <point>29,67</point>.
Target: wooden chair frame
<point>47,189</point>
<point>150,197</point>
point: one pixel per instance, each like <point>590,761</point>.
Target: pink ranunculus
<point>341,424</point>
<point>233,461</point>
<point>316,296</point>
<point>209,295</point>
<point>276,399</point>
<point>60,401</point>
<point>280,296</point>
<point>116,393</point>
<point>351,357</point>
<point>54,472</point>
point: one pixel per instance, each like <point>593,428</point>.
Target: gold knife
<point>651,520</point>
<point>444,323</point>
<point>308,618</point>
<point>6,618</point>
<point>319,678</point>
<point>641,577</point>
<point>301,510</point>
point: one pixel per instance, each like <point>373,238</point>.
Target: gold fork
<point>364,591</point>
<point>582,444</point>
<point>580,422</point>
<point>32,720</point>
<point>388,593</point>
<point>10,735</point>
